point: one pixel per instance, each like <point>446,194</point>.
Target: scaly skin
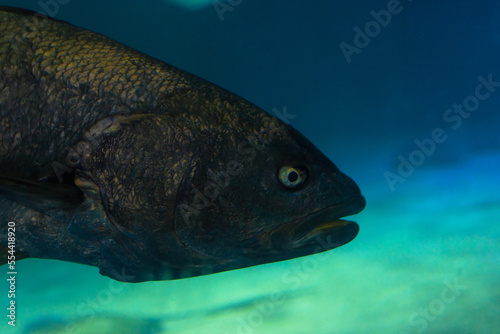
<point>78,77</point>
<point>57,80</point>
<point>165,175</point>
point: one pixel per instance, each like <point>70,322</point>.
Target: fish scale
<point>61,59</point>
<point>114,159</point>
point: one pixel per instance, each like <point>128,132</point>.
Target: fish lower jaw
<point>319,231</point>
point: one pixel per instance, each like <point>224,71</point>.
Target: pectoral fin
<point>41,196</point>
<point>62,221</point>
<point>52,199</point>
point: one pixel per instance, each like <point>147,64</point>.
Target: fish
<point>114,159</point>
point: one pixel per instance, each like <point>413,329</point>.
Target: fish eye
<point>293,177</point>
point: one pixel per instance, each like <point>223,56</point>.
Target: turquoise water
<point>427,256</point>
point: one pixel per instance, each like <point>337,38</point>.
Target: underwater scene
<point>403,96</point>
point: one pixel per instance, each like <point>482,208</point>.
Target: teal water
<point>427,256</point>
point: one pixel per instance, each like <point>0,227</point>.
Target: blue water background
<point>427,256</point>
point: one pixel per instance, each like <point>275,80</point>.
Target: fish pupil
<point>293,176</point>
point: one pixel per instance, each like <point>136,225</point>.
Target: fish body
<point>114,159</point>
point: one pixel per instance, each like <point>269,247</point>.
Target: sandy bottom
<point>427,260</point>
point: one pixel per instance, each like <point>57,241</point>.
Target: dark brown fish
<point>114,159</point>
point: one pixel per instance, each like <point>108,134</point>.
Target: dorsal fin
<point>26,12</point>
<point>17,10</point>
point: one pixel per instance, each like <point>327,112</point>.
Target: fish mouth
<point>322,230</point>
<point>327,222</point>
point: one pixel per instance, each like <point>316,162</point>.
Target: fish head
<point>195,194</point>
<point>261,192</point>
